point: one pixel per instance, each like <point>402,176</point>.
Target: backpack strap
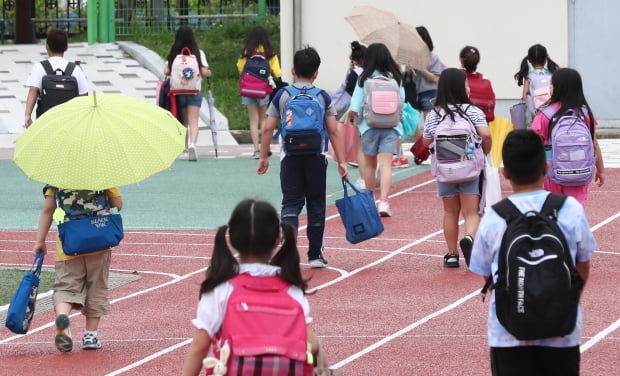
<point>69,69</point>
<point>507,210</point>
<point>553,204</point>
<point>548,111</point>
<point>47,66</point>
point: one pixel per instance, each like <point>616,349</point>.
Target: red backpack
<point>481,94</point>
<point>265,328</point>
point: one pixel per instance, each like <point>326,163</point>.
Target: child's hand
<point>40,247</point>
<point>599,178</point>
<point>343,170</point>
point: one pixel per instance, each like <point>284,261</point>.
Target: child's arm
<point>600,166</point>
<point>526,89</point>
<point>198,350</point>
<point>334,138</point>
<point>45,221</point>
<point>313,340</point>
<point>267,134</point>
<point>583,268</point>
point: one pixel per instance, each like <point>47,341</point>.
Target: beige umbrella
<point>373,25</point>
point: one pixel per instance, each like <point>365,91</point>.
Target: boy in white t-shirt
<point>56,45</point>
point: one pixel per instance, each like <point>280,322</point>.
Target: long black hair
<point>451,90</point>
<point>537,56</point>
<point>568,92</point>
<point>258,36</point>
<point>253,229</point>
<point>379,58</point>
<point>184,37</point>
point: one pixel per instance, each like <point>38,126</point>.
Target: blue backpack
<point>302,126</point>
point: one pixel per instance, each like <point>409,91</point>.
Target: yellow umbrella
<point>373,25</point>
<point>99,141</point>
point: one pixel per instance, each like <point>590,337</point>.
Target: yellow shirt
<point>274,64</point>
<point>60,253</point>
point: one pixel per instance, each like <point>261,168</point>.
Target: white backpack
<point>185,74</point>
<point>383,107</point>
<point>457,150</point>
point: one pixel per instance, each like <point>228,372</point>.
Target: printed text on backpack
<point>57,87</point>
<point>302,125</point>
<point>573,159</point>
<point>265,329</point>
<point>185,75</point>
<point>537,289</point>
<point>254,80</point>
<point>383,107</point>
<point>457,150</point>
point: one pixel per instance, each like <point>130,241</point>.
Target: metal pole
<point>92,23</point>
<point>104,36</point>
<point>262,6</point>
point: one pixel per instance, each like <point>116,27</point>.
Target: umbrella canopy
<point>99,141</point>
<point>373,25</point>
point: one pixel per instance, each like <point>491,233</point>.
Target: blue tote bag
<point>359,214</point>
<point>21,309</point>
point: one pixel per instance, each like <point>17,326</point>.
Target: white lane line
<point>149,358</point>
<point>599,336</point>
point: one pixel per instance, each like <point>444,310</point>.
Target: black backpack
<point>56,87</point>
<point>538,287</point>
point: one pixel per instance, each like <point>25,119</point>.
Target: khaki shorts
<point>83,281</point>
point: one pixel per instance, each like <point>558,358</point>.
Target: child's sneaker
<point>318,263</point>
<point>90,341</point>
<point>383,207</point>
<point>466,244</point>
<point>62,339</point>
<point>400,162</point>
<point>451,260</point>
<point>191,152</point>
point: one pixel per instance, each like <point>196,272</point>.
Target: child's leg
<point>451,212</point>
<point>385,174</point>
<point>254,116</point>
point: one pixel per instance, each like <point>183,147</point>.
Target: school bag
<point>573,159</point>
<point>265,329</point>
<point>302,124</point>
<point>185,75</point>
<point>481,94</point>
<point>538,287</point>
<point>254,79</point>
<point>383,107</point>
<point>21,309</point>
<point>540,82</point>
<point>457,150</point>
<point>57,87</point>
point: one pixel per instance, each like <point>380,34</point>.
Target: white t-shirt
<point>57,62</point>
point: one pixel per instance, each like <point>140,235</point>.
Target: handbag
<point>517,115</point>
<point>349,137</point>
<point>420,152</point>
<point>491,191</point>
<point>359,214</point>
<point>83,232</point>
<point>411,118</point>
<point>21,309</point>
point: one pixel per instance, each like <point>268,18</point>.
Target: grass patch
<point>10,278</point>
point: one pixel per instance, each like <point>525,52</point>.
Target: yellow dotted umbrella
<point>99,141</point>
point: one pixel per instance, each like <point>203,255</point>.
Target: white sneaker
<point>384,209</point>
<point>184,156</point>
<point>191,151</point>
<point>90,342</point>
<point>318,263</point>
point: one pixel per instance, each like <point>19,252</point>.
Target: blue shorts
<point>453,189</point>
<point>184,100</point>
<point>425,100</point>
<point>257,101</point>
<point>379,140</point>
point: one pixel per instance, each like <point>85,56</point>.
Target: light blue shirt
<point>573,223</point>
<point>357,102</point>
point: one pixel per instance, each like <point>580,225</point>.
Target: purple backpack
<point>457,150</point>
<point>573,159</point>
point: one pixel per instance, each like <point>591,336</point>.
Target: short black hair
<point>523,154</point>
<point>306,62</point>
<point>57,40</point>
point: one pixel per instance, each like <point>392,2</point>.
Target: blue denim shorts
<point>425,100</point>
<point>453,189</point>
<point>184,100</point>
<point>379,140</point>
<point>257,101</point>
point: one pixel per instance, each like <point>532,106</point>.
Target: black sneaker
<point>466,245</point>
<point>451,260</point>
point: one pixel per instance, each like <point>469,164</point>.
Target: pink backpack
<point>265,329</point>
<point>185,74</point>
<point>457,150</point>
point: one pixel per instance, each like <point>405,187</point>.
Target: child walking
<point>457,198</point>
<point>525,167</point>
<point>536,81</point>
<point>378,144</point>
<point>258,42</point>
<point>567,98</point>
<point>266,248</point>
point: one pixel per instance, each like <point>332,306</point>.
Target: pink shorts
<point>580,193</point>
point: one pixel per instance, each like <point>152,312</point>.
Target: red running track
<point>386,306</point>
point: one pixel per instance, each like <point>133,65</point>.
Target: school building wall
<point>575,32</point>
